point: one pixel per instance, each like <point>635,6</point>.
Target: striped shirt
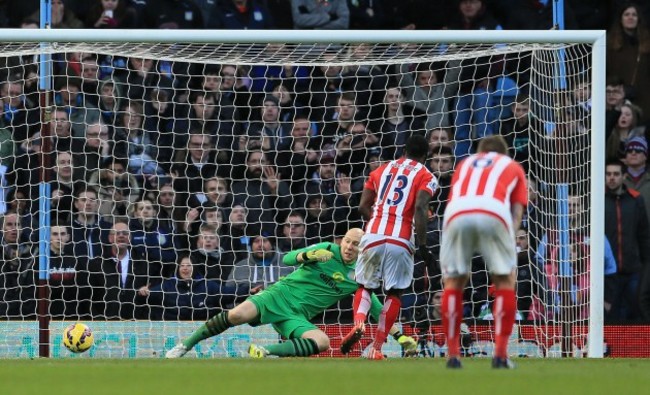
<point>487,183</point>
<point>396,185</point>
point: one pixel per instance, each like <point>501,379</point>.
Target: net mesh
<point>218,159</point>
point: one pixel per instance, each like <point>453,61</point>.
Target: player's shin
<point>214,326</point>
<point>361,305</point>
<point>504,310</point>
<point>294,348</point>
<point>452,316</point>
<point>387,318</point>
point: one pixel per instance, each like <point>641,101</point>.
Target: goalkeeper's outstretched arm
<point>320,252</point>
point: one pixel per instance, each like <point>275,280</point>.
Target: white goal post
<point>394,48</point>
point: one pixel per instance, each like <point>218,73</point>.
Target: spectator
<point>614,101</point>
<point>319,14</point>
<point>627,127</point>
<point>19,116</point>
<point>517,130</point>
<point>120,280</point>
<point>62,17</point>
<point>265,196</point>
<point>262,268</point>
<point>185,296</point>
<point>628,54</point>
<point>136,144</point>
<point>319,220</point>
<point>68,277</point>
<point>210,260</point>
<point>62,136</point>
<point>16,271</point>
<point>237,240</point>
<point>630,243</point>
<point>473,15</point>
<point>91,152</point>
<point>395,126</point>
<point>272,131</point>
<point>172,14</point>
<point>438,138</point>
<point>352,149</point>
<point>196,164</point>
<point>345,114</point>
<point>170,215</point>
<point>298,157</point>
<point>109,101</point>
<point>536,15</point>
<point>240,14</point>
<point>637,176</point>
<point>150,240</point>
<point>366,14</point>
<point>116,187</point>
<point>428,88</point>
<point>323,181</point>
<point>62,186</point>
<point>293,233</point>
<point>88,227</point>
<point>111,14</point>
<point>68,95</point>
<point>441,165</point>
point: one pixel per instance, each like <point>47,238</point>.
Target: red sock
<point>387,318</point>
<point>452,316</point>
<point>503,310</point>
<point>361,305</point>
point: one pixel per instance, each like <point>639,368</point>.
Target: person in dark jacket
<point>626,227</point>
<point>186,296</point>
<point>241,14</point>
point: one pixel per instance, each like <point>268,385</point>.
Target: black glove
<point>303,9</point>
<point>333,17</point>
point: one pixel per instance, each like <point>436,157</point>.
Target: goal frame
<point>596,38</point>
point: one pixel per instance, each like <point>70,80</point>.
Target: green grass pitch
<point>315,376</point>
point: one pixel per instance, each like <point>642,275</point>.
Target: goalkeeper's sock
<point>503,310</point>
<point>387,318</point>
<point>361,305</point>
<point>452,316</point>
<point>214,326</point>
<point>294,348</point>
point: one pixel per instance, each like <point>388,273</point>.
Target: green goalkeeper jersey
<point>315,286</point>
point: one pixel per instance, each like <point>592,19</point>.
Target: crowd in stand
<point>175,188</point>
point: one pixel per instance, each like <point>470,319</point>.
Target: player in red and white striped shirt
<point>395,200</point>
<point>487,199</point>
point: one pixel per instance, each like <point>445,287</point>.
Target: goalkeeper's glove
<point>320,255</point>
<point>408,344</point>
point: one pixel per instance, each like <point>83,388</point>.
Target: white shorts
<point>384,259</point>
<point>472,233</point>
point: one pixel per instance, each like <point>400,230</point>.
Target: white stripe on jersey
<point>495,174</point>
<point>455,192</point>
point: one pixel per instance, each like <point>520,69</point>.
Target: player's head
<point>350,245</point>
<point>493,144</point>
<point>417,148</point>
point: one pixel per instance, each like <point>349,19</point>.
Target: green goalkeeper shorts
<point>274,309</point>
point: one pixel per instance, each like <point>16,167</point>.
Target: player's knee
<point>322,341</point>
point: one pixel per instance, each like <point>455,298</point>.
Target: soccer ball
<point>78,338</point>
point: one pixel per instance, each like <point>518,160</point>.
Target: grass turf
<point>314,376</point>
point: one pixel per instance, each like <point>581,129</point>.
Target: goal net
<point>163,182</point>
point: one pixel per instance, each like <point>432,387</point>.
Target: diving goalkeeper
<point>326,275</point>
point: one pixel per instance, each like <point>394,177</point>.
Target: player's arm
<point>421,218</point>
<point>367,200</point>
<point>315,253</point>
<point>517,211</point>
<point>519,197</point>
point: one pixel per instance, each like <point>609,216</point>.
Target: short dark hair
<point>616,162</point>
<point>443,150</point>
<point>416,147</point>
<point>494,143</point>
